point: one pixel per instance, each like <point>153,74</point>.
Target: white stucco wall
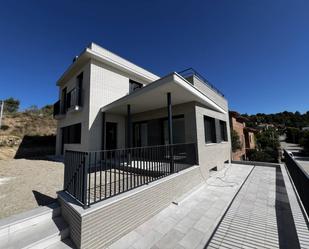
<point>81,116</point>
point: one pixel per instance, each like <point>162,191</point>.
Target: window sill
<point>211,144</point>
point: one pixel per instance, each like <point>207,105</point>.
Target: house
<point>135,138</point>
<point>246,135</point>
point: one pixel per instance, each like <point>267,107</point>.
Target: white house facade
<point>131,138</point>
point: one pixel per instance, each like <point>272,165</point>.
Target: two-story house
<point>101,85</point>
<point>133,137</point>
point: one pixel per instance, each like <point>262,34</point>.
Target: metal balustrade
<point>94,176</point>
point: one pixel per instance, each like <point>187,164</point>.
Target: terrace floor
<point>241,206</point>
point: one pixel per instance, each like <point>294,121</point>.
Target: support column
<point>129,127</point>
<point>103,130</point>
<point>170,130</point>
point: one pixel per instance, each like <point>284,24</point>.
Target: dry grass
<point>19,125</point>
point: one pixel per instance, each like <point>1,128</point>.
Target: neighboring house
<point>250,142</point>
<point>238,124</point>
<point>265,127</point>
<point>246,135</point>
<point>121,127</point>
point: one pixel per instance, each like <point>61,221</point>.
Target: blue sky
<point>255,51</point>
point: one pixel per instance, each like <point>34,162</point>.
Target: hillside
<point>27,134</point>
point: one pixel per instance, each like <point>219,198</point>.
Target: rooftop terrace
<point>242,206</point>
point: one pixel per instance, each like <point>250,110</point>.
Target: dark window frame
<point>223,131</point>
<point>210,130</point>
<point>72,134</point>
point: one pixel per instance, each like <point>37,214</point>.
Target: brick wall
<point>105,222</point>
<point>239,128</point>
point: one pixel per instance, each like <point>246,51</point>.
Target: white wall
<point>76,117</point>
<point>211,155</point>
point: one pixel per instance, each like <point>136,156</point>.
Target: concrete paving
<point>190,223</point>
<point>264,214</point>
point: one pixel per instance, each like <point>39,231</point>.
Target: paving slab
<point>190,223</point>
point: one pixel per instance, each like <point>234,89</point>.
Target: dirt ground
<point>27,184</point>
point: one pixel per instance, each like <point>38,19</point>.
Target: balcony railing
<point>94,176</point>
<point>72,102</point>
<point>57,108</point>
<point>74,98</point>
<point>190,71</point>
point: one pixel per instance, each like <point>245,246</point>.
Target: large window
<point>72,134</point>
<point>210,130</point>
<point>178,130</point>
<point>140,134</point>
<point>223,130</point>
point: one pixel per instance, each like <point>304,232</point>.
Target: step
<point>37,236</point>
<point>32,217</point>
<point>63,244</point>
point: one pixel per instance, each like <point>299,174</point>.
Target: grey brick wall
<point>105,222</point>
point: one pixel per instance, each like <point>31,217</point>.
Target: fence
<point>300,178</point>
<point>97,175</point>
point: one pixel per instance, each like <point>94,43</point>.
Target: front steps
<point>39,228</point>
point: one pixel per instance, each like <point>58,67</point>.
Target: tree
<point>33,109</point>
<point>292,135</point>
<point>11,105</point>
<point>304,141</point>
<point>47,110</point>
<point>236,144</point>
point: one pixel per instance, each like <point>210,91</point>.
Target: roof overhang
<point>106,57</point>
<point>153,96</point>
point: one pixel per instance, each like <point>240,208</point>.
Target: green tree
<point>304,141</point>
<point>11,105</point>
<point>236,144</point>
<point>292,135</point>
<point>47,110</point>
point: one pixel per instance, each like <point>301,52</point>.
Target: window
<point>178,130</point>
<point>79,87</point>
<point>223,130</point>
<point>72,134</point>
<point>140,134</point>
<point>210,130</point>
<point>134,85</point>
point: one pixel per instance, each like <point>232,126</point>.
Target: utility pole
<point>1,112</point>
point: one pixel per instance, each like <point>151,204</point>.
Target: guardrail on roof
<point>190,71</point>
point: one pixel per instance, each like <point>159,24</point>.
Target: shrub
<point>236,144</point>
<point>4,127</point>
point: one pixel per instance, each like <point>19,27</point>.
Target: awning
<point>153,96</point>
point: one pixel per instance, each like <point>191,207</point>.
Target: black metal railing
<point>57,108</point>
<point>300,179</point>
<point>74,98</point>
<point>190,71</point>
<point>97,175</point>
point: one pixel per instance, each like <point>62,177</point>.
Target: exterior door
<point>111,136</point>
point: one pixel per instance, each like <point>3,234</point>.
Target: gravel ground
<point>27,184</point>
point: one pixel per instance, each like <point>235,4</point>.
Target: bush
<point>292,135</point>
<point>11,105</point>
<point>304,141</point>
<point>4,127</point>
<point>236,144</point>
<point>263,156</point>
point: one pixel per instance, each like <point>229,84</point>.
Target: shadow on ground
<point>36,147</point>
<point>42,199</point>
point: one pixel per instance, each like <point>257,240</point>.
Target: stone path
<point>191,223</point>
